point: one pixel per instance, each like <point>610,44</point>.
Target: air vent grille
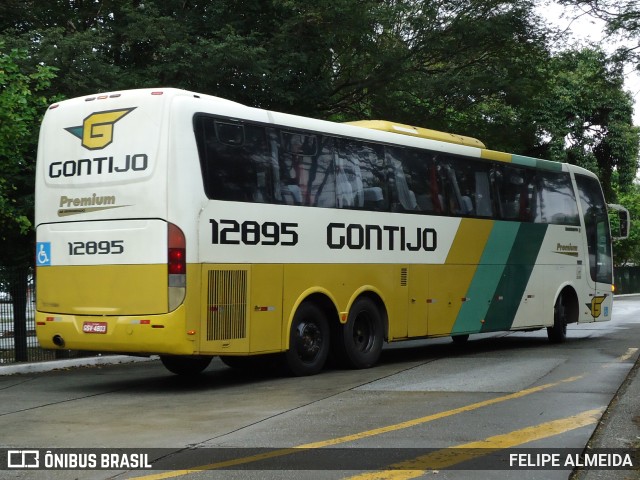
<point>227,305</point>
<point>404,277</point>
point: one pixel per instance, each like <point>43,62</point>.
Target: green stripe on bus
<point>549,165</point>
<point>536,163</point>
<point>487,277</point>
<point>510,289</point>
<point>522,160</point>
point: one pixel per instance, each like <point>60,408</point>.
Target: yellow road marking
<point>622,358</point>
<point>399,426</point>
<point>630,352</point>
<point>360,435</point>
<point>461,453</point>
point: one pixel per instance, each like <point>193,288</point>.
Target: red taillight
<point>177,253</point>
<point>177,264</point>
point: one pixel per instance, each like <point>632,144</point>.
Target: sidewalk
<point>619,427</point>
<point>37,367</point>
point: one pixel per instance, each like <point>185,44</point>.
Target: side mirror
<point>621,230</point>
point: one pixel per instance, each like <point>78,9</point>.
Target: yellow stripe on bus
<point>494,155</point>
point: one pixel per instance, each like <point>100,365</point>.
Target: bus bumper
<point>143,334</point>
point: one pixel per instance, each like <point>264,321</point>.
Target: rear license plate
<point>94,327</point>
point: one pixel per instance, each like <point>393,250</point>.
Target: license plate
<point>94,327</point>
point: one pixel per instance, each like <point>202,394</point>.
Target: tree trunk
<point>18,285</point>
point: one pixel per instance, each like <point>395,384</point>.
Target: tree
<point>627,252</point>
<point>477,67</point>
<point>21,107</point>
<point>585,118</point>
<point>472,70</point>
<point>622,18</point>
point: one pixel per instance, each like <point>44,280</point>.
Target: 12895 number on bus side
<point>249,232</point>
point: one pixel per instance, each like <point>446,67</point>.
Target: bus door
<point>597,236</point>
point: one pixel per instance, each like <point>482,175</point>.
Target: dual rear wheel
<point>355,344</point>
<point>314,334</point>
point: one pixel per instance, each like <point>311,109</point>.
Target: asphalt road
<point>428,410</point>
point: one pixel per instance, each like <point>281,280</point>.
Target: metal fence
<point>627,280</point>
<point>18,342</point>
<point>17,311</point>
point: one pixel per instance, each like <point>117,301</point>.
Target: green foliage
<point>21,107</point>
<point>585,117</point>
<point>627,252</point>
<point>482,68</point>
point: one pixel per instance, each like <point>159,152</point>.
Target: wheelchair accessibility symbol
<point>43,254</point>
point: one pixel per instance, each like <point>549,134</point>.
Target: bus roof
<point>403,129</point>
<point>464,144</point>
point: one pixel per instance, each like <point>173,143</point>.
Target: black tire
<point>558,332</point>
<point>185,366</point>
<point>308,341</point>
<point>460,339</point>
<point>359,341</point>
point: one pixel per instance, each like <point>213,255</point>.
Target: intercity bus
<point>189,226</point>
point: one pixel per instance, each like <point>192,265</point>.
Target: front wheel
<point>185,366</point>
<point>308,341</point>
<point>359,341</point>
<point>558,332</point>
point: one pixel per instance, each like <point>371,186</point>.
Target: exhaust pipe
<point>58,341</point>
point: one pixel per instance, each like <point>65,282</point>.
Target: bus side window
<point>514,188</point>
<point>235,160</point>
<point>307,169</point>
<point>410,186</point>
<point>349,188</point>
<point>360,176</point>
<point>555,199</point>
<point>464,187</point>
<point>374,182</point>
<point>258,150</point>
<point>596,223</point>
<point>456,200</point>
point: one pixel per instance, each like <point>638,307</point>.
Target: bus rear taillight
<point>176,266</point>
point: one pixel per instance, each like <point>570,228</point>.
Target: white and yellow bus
<point>189,226</point>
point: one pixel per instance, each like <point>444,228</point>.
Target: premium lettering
<point>87,201</point>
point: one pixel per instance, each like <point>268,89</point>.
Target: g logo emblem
<point>596,306</point>
<point>96,131</point>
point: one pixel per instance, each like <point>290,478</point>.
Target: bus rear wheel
<point>558,332</point>
<point>359,341</point>
<point>308,341</point>
<point>185,365</point>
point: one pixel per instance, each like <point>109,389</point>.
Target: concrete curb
<point>619,428</point>
<point>38,367</point>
